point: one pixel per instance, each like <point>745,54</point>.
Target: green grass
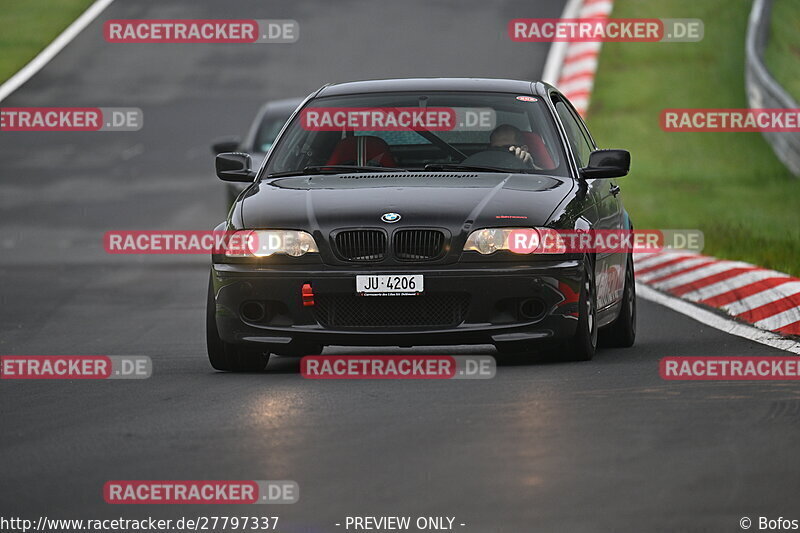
<point>783,48</point>
<point>27,26</point>
<point>730,185</point>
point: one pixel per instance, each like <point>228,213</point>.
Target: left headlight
<point>517,240</point>
<point>264,243</point>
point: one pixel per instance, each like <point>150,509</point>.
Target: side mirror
<point>607,164</point>
<point>234,167</point>
<point>226,144</point>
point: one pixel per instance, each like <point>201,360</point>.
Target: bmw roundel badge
<point>390,218</point>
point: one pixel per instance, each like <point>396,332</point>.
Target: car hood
<point>454,201</point>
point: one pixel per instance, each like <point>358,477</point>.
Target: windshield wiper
<point>475,168</point>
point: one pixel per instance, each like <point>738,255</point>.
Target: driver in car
<point>506,148</point>
<point>508,137</point>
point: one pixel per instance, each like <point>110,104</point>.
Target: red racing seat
<point>362,150</point>
<point>536,147</point>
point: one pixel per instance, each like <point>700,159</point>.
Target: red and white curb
<point>571,66</point>
<point>767,299</point>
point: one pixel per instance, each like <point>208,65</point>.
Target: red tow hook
<point>307,294</point>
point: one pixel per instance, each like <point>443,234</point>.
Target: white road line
<point>735,282</point>
<point>700,273</point>
<point>671,269</point>
<point>790,316</point>
<point>764,297</point>
<point>53,48</point>
<point>715,321</point>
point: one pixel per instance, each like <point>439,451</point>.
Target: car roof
<point>432,84</point>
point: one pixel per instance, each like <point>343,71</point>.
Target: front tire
<point>226,356</point>
<point>583,344</point>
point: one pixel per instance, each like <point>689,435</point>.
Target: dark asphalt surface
<point>599,446</point>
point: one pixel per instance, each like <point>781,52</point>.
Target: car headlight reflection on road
<point>517,240</point>
<point>264,243</point>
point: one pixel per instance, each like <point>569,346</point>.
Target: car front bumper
<point>461,304</point>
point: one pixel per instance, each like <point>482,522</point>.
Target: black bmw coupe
<point>389,213</point>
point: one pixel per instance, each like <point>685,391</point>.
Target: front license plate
<point>390,285</point>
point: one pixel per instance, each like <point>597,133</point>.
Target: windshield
<point>420,131</point>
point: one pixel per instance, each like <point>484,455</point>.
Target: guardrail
<point>762,89</point>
